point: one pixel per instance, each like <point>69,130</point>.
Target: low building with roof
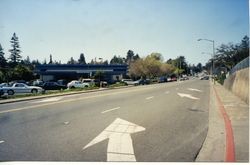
<point>53,72</point>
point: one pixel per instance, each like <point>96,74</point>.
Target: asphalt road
<point>144,123</point>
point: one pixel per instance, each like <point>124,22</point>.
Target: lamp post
<point>212,66</point>
<point>211,59</point>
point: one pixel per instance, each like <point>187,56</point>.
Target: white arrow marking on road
<point>192,89</point>
<point>120,146</point>
<point>1,141</point>
<point>188,96</point>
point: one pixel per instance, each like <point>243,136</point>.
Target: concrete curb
<point>213,148</point>
<point>59,94</point>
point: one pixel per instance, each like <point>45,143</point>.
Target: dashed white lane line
<point>49,100</point>
<point>111,109</point>
<point>148,98</point>
<point>1,141</point>
<point>66,122</point>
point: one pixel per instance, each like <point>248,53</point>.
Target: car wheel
<point>86,86</point>
<point>10,92</point>
<point>34,91</point>
<point>72,87</point>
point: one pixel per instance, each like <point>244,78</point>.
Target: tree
<point>15,56</point>
<point>137,69</point>
<point>99,75</point>
<point>92,61</point>
<point>136,57</point>
<point>81,59</point>
<point>3,61</point>
<point>27,61</point>
<point>199,67</point>
<point>130,55</point>
<point>150,67</point>
<point>21,72</point>
<point>71,61</point>
<point>166,69</point>
<point>117,60</point>
<point>230,54</point>
<point>50,59</point>
<point>106,62</point>
<point>157,56</point>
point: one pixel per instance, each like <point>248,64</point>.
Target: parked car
<point>204,78</point>
<point>162,79</point>
<point>4,85</point>
<point>1,92</point>
<point>21,88</point>
<point>90,81</point>
<point>38,83</point>
<point>53,86</point>
<point>143,81</point>
<point>130,82</point>
<point>173,79</point>
<point>169,79</point>
<point>77,84</point>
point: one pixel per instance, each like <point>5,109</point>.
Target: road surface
<point>162,122</point>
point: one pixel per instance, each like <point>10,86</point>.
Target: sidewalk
<point>238,113</point>
<point>228,132</point>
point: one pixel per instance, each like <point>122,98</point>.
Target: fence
<point>241,65</point>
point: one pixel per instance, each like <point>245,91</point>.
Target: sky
<point>104,28</point>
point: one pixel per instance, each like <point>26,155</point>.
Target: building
<point>54,72</point>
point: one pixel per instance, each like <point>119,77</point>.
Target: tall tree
<point>15,56</point>
<point>81,59</point>
<point>50,59</point>
<point>3,61</point>
<point>130,55</point>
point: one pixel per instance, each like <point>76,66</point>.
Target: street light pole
<point>211,60</point>
<point>212,64</point>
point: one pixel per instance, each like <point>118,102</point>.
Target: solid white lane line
<point>149,97</point>
<point>111,109</point>
<point>49,100</point>
<point>1,141</point>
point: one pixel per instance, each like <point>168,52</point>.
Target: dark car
<point>143,81</point>
<point>1,92</point>
<point>162,80</point>
<point>53,86</point>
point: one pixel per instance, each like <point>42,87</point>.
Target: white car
<point>77,84</point>
<point>130,82</point>
<point>21,88</point>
